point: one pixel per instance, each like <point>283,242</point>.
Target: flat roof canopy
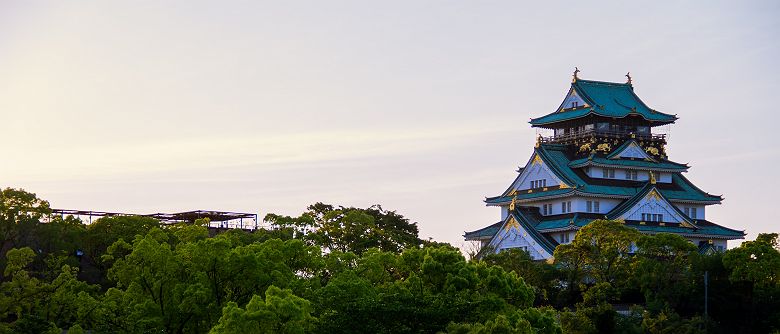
<point>178,217</point>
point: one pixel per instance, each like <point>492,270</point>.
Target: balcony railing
<point>604,134</point>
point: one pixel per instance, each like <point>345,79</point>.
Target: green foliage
<point>756,261</point>
<point>352,229</point>
<point>529,320</point>
<point>541,275</point>
<point>668,322</point>
<point>281,312</point>
<point>601,250</point>
<point>663,269</point>
<point>350,270</point>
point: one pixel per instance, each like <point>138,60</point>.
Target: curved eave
<point>737,235</point>
<point>657,169</point>
<point>506,200</point>
<point>539,122</point>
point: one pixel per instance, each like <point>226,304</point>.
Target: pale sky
<point>420,106</point>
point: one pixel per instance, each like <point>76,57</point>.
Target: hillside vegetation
<point>363,270</point>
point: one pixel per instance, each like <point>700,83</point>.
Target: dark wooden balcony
<point>593,133</point>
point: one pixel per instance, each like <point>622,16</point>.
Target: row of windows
<point>609,173</point>
<point>652,217</point>
<point>538,183</point>
<point>592,206</point>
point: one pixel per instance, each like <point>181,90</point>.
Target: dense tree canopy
<point>352,270</point>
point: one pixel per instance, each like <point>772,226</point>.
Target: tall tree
<point>602,250</point>
<point>663,269</point>
<point>20,214</point>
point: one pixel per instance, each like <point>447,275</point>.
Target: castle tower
<point>601,161</point>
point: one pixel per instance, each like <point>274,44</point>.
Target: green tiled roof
<point>608,99</point>
<point>708,230</point>
<point>667,166</point>
<point>560,223</point>
<point>488,231</point>
<point>704,229</point>
<point>555,157</point>
<point>525,195</point>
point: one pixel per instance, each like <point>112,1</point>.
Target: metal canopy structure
<point>217,219</point>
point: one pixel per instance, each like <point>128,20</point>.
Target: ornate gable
<point>535,174</point>
<point>573,101</point>
<point>630,150</point>
<point>651,206</point>
<point>516,235</point>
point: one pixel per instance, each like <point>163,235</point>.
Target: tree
<point>755,267</point>
<point>601,250</point>
<point>106,231</point>
<point>357,230</point>
<point>540,275</point>
<point>281,312</point>
<point>663,269</point>
<point>755,261</point>
<point>20,214</point>
<point>31,303</point>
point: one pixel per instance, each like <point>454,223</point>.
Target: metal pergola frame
<point>217,219</point>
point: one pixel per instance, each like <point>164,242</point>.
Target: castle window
<point>687,211</point>
<point>538,184</point>
<point>608,173</point>
<point>546,209</point>
<point>592,206</point>
<point>566,207</point>
<point>631,175</point>
<point>574,104</point>
<point>693,213</point>
<point>564,238</point>
<point>652,217</point>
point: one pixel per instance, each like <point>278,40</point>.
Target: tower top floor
<point>602,110</point>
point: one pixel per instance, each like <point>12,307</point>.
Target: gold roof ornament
<point>538,140</point>
<point>512,223</point>
<point>652,178</point>
<point>512,205</point>
<point>574,77</point>
<point>628,75</point>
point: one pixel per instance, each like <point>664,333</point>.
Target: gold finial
<point>628,75</point>
<point>574,78</point>
<point>652,178</point>
<point>512,205</point>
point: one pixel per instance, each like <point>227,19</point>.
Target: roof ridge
<point>603,82</point>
